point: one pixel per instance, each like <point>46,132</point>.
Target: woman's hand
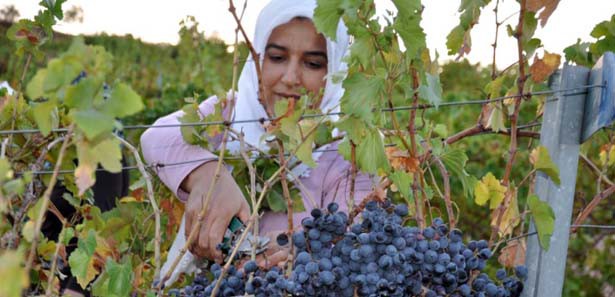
<point>226,201</point>
<point>274,255</point>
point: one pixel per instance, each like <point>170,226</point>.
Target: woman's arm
<point>191,181</point>
<point>166,146</point>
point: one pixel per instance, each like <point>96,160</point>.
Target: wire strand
<point>263,120</point>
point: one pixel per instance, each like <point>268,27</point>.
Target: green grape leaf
<point>458,40</point>
<point>323,134</point>
<point>43,114</point>
<point>295,196</point>
<point>542,161</point>
<point>327,16</point>
<point>191,115</point>
<point>304,151</point>
<point>544,219</point>
<point>82,261</point>
<point>403,181</point>
<point>361,95</point>
<point>353,126</point>
<point>115,281</point>
<point>59,73</point>
<point>275,199</point>
<point>93,122</point>
<point>362,48</point>
<point>455,162</point>
<point>531,46</point>
<point>579,54</point>
<point>34,89</point>
<point>109,154</point>
<point>81,95</point>
<point>432,91</point>
<point>408,25</point>
<point>494,87</point>
<point>371,157</point>
<point>123,101</point>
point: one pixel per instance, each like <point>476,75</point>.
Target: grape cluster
<point>377,256</point>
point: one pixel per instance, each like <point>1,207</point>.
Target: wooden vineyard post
<point>570,117</point>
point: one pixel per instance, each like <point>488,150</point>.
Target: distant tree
<point>74,14</point>
<point>9,14</point>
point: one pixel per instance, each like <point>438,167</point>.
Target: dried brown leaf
<point>542,68</point>
<point>513,254</point>
<point>401,160</point>
<point>537,5</point>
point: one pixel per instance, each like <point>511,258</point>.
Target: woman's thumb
<point>244,212</point>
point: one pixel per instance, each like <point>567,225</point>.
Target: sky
<point>157,21</point>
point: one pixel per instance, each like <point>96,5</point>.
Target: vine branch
<point>152,201</point>
<point>46,198</point>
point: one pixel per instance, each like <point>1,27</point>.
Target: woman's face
<point>295,59</point>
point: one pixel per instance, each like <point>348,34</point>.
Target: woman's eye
<point>315,64</point>
<point>276,58</point>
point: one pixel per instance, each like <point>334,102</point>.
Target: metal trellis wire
<point>399,108</point>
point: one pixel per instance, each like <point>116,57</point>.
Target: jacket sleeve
<point>336,186</point>
<point>172,158</point>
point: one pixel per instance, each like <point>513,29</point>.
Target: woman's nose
<point>291,76</point>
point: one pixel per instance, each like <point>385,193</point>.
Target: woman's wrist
<point>203,173</point>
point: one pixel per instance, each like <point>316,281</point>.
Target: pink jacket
<point>329,181</point>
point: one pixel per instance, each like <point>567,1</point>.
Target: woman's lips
<point>283,95</point>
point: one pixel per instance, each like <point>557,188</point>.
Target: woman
<point>294,56</point>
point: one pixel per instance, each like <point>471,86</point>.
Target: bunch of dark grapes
<point>377,257</point>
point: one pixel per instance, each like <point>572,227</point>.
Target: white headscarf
<point>248,107</point>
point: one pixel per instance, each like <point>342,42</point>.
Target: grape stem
<point>590,207</point>
<point>447,184</point>
<point>513,126</point>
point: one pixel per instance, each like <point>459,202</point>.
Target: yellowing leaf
<point>542,161</point>
<point>6,173</point>
<point>45,117</point>
<point>109,154</point>
<point>611,155</point>
<point>46,249</point>
<point>84,177</point>
<point>489,189</point>
<point>496,119</point>
<point>12,273</point>
<point>129,200</point>
<point>28,230</point>
<point>542,68</point>
<point>82,261</point>
<point>510,218</point>
<point>544,219</point>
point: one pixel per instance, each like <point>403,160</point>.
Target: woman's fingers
<point>216,235</point>
<point>244,212</point>
<point>273,259</point>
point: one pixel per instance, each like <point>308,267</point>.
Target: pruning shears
<point>232,235</point>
